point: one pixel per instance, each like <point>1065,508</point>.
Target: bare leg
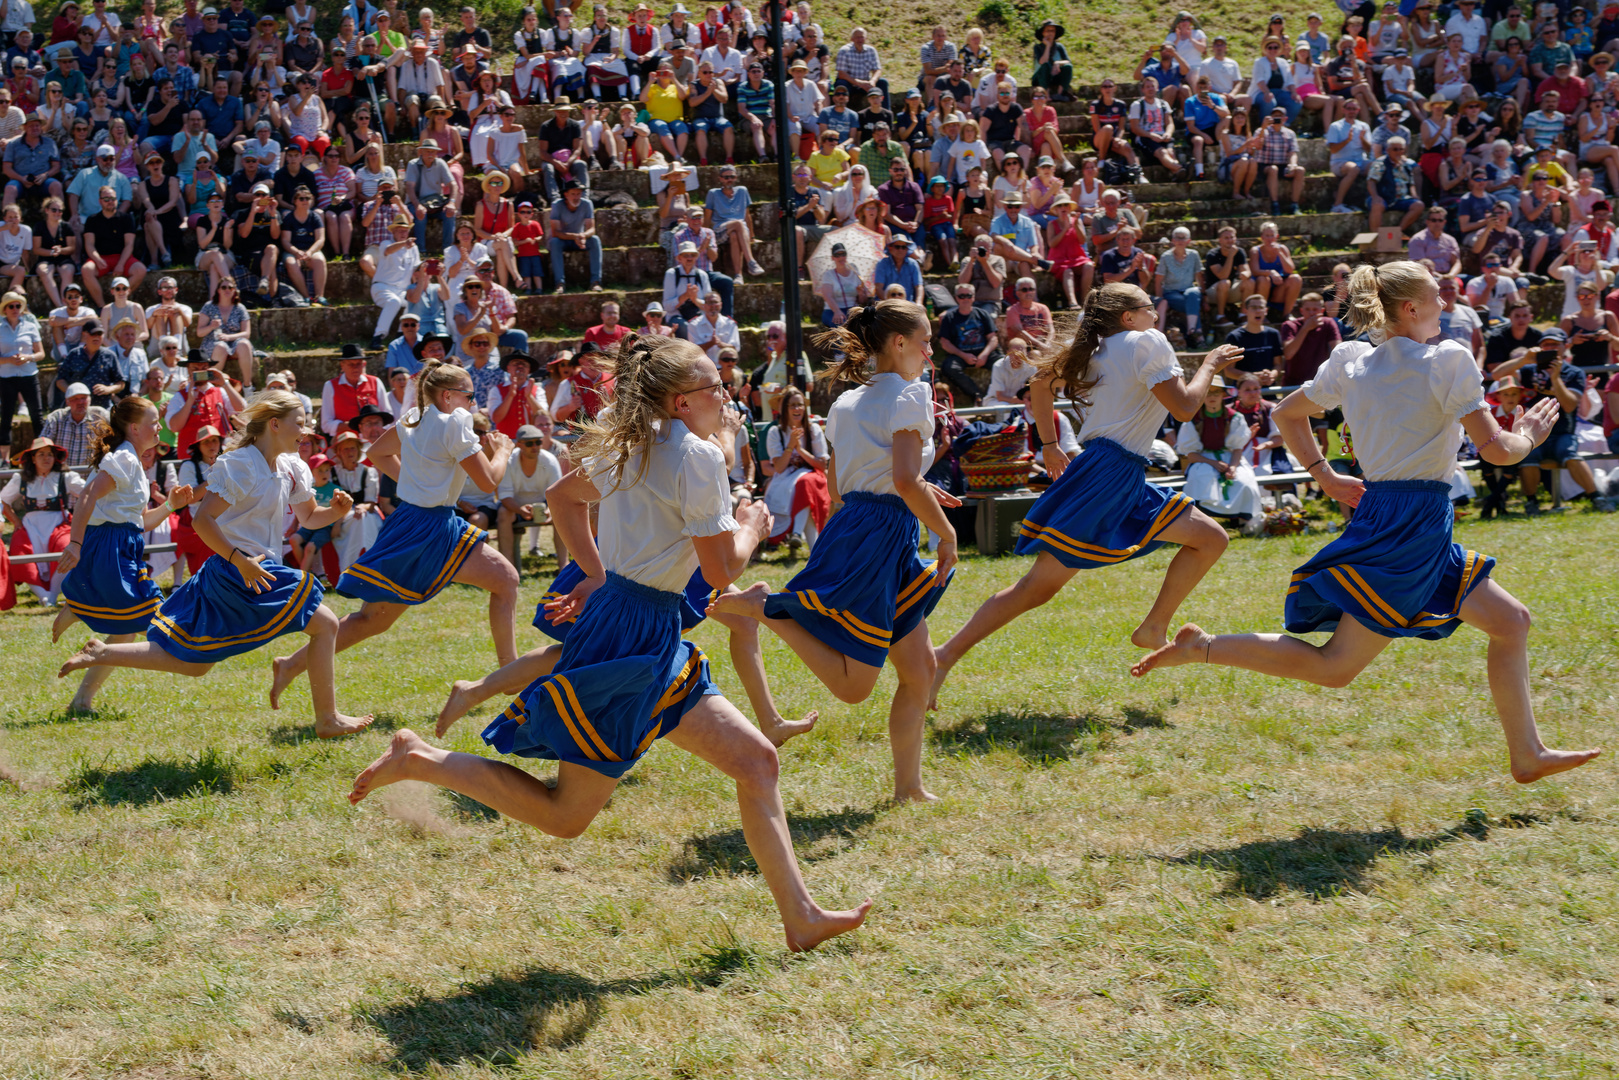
<point>487,569</point>
<point>84,701</point>
<point>372,619</point>
<point>508,681</point>
<point>912,657</point>
<point>1202,542</point>
<point>748,660</point>
<point>1336,663</point>
<point>65,618</point>
<point>1043,580</point>
<point>849,680</point>
<point>1495,611</point>
<point>142,655</point>
<point>564,811</point>
<point>721,736</point>
<point>329,723</point>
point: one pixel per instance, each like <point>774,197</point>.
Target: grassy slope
<point>1208,874</point>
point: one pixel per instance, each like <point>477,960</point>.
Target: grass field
<point>1207,874</point>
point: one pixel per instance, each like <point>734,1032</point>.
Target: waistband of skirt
<point>645,593</point>
<point>432,511</point>
<point>1392,487</point>
<point>874,497</point>
<point>1113,447</point>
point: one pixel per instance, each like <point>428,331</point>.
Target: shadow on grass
<point>468,807</point>
<point>1323,863</point>
<point>105,715</point>
<point>153,780</point>
<point>298,734</point>
<point>499,1021</point>
<point>1045,737</point>
<point>815,837</point>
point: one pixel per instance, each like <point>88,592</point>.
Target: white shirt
<point>1573,279</point>
<point>1473,32</point>
<point>1494,300</point>
<point>126,502</point>
<point>803,102</point>
<point>710,336</point>
<point>528,490</point>
<point>41,487</point>
<point>1262,72</point>
<point>258,498</point>
<point>193,473</point>
<point>12,247</point>
<point>1005,379</point>
<point>497,394</point>
<point>1223,75</point>
<point>861,426</point>
<point>430,456</point>
<point>730,62</point>
<point>1189,439</point>
<point>394,270</point>
<point>1403,400</point>
<point>645,528</point>
<point>776,442</point>
<point>1127,366</point>
<point>397,408</point>
<point>1188,50</point>
<point>1459,323</point>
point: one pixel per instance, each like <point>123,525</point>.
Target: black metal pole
<point>791,315</point>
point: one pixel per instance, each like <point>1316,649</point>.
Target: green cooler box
<point>998,519</point>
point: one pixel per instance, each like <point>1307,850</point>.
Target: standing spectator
<point>347,392</point>
<point>396,268</point>
<point>74,426</point>
<point>858,67</point>
<point>573,228</point>
<point>21,351</point>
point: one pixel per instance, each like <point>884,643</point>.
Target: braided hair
<point>863,335</point>
<point>647,371</point>
<point>1103,317</point>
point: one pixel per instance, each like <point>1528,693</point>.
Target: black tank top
<point>1591,353</point>
<point>159,195</point>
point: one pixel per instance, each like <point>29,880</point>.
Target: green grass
<point>1207,874</point>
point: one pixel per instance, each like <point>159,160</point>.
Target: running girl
<point>1395,571</point>
<point>864,595</point>
<point>243,596</point>
<point>105,581</point>
<point>626,676</point>
<point>423,545</point>
<point>1100,510</point>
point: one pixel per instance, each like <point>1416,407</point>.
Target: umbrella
<point>865,252</point>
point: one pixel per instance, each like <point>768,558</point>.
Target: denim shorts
<point>942,231</point>
<point>710,123</point>
<point>669,128</point>
<point>1558,448</point>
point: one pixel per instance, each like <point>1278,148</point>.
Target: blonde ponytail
<point>647,370</point>
<point>1376,293</point>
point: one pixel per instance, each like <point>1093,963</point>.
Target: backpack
<point>1117,171</point>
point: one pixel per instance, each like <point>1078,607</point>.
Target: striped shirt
<point>1542,130</point>
<point>760,100</point>
<point>938,57</point>
<point>329,187</point>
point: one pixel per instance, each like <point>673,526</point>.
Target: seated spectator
<point>1001,123</point>
<point>1009,377</point>
<point>684,286</point>
<point>1538,212</point>
<point>1492,291</point>
<point>712,330</point>
<point>986,273</point>
<point>428,187</point>
<point>1110,124</point>
<point>1217,478</point>
<point>1226,276</point>
<point>1052,69</point>
<point>94,365</point>
<point>795,459</point>
<point>1275,275</point>
<point>810,214</point>
<point>1457,319</point>
<point>109,247</point>
<point>75,426</point>
<point>606,334</point>
<point>32,165</point>
<point>1261,344</point>
<point>1391,182</point>
<point>1309,338</point>
<point>1349,139</point>
<point>1503,343</point>
<point>518,401</point>
<point>1576,267</point>
<point>572,227</point>
<point>708,252</point>
<point>728,207</point>
<point>1065,248</point>
<point>898,268</point>
<point>226,330</point>
<point>530,472</point>
<point>1017,238</point>
<point>1435,247</point>
<point>1175,284</point>
<point>967,339</point>
<point>1547,371</point>
<point>859,69</point>
<point>250,240</point>
<point>990,85</point>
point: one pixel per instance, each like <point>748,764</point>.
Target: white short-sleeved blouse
<point>258,497</point>
<point>430,456</point>
<point>126,502</point>
<point>861,426</point>
<point>1127,366</point>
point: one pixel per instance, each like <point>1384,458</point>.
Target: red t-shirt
<point>336,78</point>
<point>940,211</point>
<point>605,338</point>
<point>527,236</point>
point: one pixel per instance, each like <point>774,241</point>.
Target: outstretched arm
<point>1183,399</point>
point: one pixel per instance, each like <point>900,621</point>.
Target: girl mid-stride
<point>626,677</point>
<point>1395,571</point>
<point>243,597</point>
<point>106,583</point>
<point>864,595</point>
<point>1100,510</point>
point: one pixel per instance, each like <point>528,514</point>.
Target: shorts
<point>668,128</point>
<point>1535,229</point>
<point>710,123</point>
<point>1399,206</point>
<point>1557,449</point>
<point>1223,170</point>
<point>942,231</point>
<point>1148,147</point>
<point>1005,146</point>
<point>531,266</point>
<point>319,537</point>
<point>113,267</point>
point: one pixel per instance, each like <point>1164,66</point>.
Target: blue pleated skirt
<point>1101,511</point>
<point>693,608</point>
<point>864,587</point>
<point>215,616</point>
<point>111,589</point>
<point>1395,570</point>
<point>626,678</point>
<point>418,551</point>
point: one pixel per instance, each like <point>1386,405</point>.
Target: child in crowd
<point>939,219</point>
<point>1218,478</point>
<point>304,541</point>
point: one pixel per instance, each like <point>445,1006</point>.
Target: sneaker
<point>1531,507</point>
<point>1275,208</point>
<point>376,341</point>
<point>794,542</point>
<point>1340,208</point>
<point>557,291</point>
<point>321,301</point>
<point>1605,504</point>
<point>755,269</point>
<point>1293,209</point>
<point>595,287</point>
<point>1194,341</point>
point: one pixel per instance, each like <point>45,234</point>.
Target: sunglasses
<point>532,442</point>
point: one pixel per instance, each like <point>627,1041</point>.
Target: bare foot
<point>64,619</point>
<point>1549,762</point>
<point>779,731</point>
<point>281,678</point>
<point>827,924</point>
<point>749,603</point>
<point>1191,646</point>
<point>941,672</point>
<point>88,656</point>
<point>83,709</point>
<point>392,766</point>
<point>338,725</point>
<point>460,703</point>
<point>921,795</point>
<point>1150,635</point>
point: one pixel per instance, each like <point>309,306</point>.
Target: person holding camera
<point>428,186</point>
<point>396,268</point>
<point>208,400</point>
<point>376,217</point>
<point>1546,369</point>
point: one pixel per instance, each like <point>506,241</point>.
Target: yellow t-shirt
<point>827,166</point>
<point>664,104</point>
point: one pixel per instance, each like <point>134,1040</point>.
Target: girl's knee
<point>323,623</point>
<point>760,769</point>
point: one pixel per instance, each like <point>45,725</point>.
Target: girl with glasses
<point>625,676</point>
<point>245,597</point>
<point>1395,571</point>
<point>423,546</point>
<point>1099,510</point>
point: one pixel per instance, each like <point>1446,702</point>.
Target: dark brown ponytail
<point>113,433</point>
<point>1103,317</point>
<point>863,335</point>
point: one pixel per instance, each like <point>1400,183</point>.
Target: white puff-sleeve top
<point>126,502</point>
<point>646,526</point>
<point>431,453</point>
<point>1403,402</point>
<point>861,426</point>
<point>40,489</point>
<point>258,498</point>
<point>1127,366</point>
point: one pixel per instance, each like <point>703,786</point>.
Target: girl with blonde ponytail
<point>864,595</point>
<point>105,580</point>
<point>243,596</point>
<point>626,676</point>
<point>424,544</point>
<point>1395,571</point>
<point>1100,510</point>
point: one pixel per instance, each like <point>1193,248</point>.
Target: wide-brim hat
<point>1039,31</point>
<point>41,443</point>
<point>343,436</point>
<point>507,361</point>
<point>207,431</point>
<point>496,179</point>
<point>427,339</point>
<point>466,342</point>
<point>368,410</point>
<point>435,104</point>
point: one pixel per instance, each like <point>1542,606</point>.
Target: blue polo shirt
<point>221,118</point>
<point>1025,233</point>
<point>31,160</point>
<point>906,274</point>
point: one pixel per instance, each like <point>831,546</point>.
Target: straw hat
<point>41,443</point>
<point>496,181</point>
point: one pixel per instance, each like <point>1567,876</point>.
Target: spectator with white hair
<point>713,329</point>
<point>1176,285</point>
<point>166,363</point>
